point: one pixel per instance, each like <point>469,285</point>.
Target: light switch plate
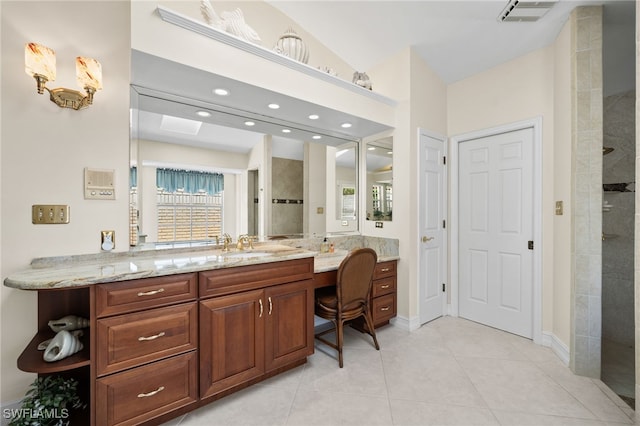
<point>559,208</point>
<point>50,214</point>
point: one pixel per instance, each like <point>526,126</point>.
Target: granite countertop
<point>67,272</point>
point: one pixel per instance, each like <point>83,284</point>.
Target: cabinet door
<point>289,328</point>
<point>231,341</point>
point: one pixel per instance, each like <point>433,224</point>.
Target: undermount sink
<point>246,254</point>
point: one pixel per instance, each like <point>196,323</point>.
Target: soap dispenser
<point>324,247</point>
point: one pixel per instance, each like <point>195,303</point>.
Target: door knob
<point>427,239</point>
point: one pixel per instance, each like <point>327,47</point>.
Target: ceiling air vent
<point>524,11</point>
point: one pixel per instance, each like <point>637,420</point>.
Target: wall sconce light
<point>40,63</point>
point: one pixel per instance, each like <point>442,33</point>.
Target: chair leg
<point>372,331</point>
<point>339,340</point>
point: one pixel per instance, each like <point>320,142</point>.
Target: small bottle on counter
<point>324,247</point>
<point>331,248</point>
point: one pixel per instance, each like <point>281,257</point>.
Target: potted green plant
<point>48,402</point>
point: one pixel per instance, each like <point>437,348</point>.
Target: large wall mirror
<point>242,160</point>
<point>194,178</point>
<point>379,187</point>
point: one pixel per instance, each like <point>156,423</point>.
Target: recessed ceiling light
<point>345,125</point>
<point>204,113</point>
<point>221,92</point>
<point>249,123</point>
<point>286,131</point>
<point>389,152</point>
<point>274,106</point>
<point>314,117</point>
<point>371,148</point>
<point>316,137</point>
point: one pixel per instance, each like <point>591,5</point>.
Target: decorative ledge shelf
<point>190,24</point>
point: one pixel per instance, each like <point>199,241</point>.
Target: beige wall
<point>45,149</point>
<point>560,260</point>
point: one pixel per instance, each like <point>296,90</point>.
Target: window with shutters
<point>183,216</point>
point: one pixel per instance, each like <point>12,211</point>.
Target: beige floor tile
<point>423,413</point>
<point>429,378</point>
<point>512,418</point>
<point>448,372</point>
<point>336,408</point>
<point>521,386</point>
<point>257,405</point>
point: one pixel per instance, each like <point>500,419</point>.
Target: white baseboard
<point>406,323</point>
<point>557,346</point>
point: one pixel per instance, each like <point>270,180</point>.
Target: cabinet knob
<point>260,302</point>
<point>385,308</point>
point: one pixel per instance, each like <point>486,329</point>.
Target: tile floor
<point>449,372</point>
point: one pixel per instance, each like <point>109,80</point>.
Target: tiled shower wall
<point>586,317</point>
<point>287,192</point>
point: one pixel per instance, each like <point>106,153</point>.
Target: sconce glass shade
<point>88,73</point>
<point>40,60</point>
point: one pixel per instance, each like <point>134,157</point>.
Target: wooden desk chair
<point>351,297</point>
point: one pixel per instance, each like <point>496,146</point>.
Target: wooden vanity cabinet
<point>146,360</point>
<point>163,346</point>
<point>249,334</point>
<point>384,293</point>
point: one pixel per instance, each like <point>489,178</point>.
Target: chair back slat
<point>355,275</point>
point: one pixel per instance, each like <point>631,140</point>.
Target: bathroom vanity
<point>170,332</point>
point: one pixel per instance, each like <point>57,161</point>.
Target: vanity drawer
<point>135,295</point>
<point>130,340</point>
<point>232,280</point>
<point>384,269</point>
<point>141,394</point>
<point>383,309</point>
<point>383,286</point>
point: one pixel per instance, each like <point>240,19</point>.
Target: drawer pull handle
<point>260,300</point>
<point>150,293</point>
<point>155,336</point>
<point>270,305</point>
<point>145,395</point>
<point>385,270</point>
<point>385,286</point>
<point>386,308</point>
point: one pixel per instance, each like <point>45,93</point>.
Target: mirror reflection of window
<point>380,179</point>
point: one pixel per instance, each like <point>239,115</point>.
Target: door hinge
<point>444,224</point>
<point>530,245</point>
<point>444,160</point>
<point>443,287</point>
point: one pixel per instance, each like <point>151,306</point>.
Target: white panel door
<point>495,223</point>
<point>432,238</point>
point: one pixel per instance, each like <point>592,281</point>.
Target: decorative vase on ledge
<point>290,44</point>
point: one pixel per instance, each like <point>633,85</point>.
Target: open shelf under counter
<point>31,360</point>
